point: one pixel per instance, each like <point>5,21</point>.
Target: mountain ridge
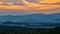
<point>31,18</point>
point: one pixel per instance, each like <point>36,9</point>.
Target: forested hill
<point>25,30</point>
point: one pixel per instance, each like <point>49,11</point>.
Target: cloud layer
<point>28,6</point>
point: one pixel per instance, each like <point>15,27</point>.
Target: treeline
<point>25,30</point>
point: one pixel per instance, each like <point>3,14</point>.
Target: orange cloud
<point>1,2</point>
<point>31,6</point>
<point>49,1</point>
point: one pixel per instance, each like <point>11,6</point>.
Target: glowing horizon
<point>30,6</point>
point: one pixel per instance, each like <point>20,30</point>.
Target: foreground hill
<point>25,30</point>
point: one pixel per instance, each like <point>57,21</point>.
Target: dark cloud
<point>15,2</point>
<point>33,1</point>
<point>18,2</point>
<point>10,0</point>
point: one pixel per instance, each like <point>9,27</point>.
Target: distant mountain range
<point>36,20</point>
<point>32,18</point>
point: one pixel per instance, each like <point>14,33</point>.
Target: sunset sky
<point>19,7</point>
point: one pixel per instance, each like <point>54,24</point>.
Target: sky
<point>22,7</point>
